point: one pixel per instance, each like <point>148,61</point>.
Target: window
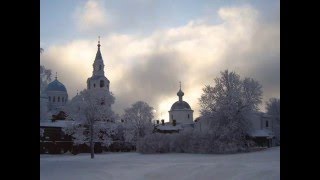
<point>49,98</point>
<point>99,67</point>
<point>94,85</point>
<point>54,99</point>
<point>101,83</point>
<point>188,116</point>
<point>62,99</point>
<point>58,98</point>
<point>267,123</point>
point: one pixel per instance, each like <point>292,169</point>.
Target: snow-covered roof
<point>58,123</point>
<point>261,133</point>
<point>169,127</point>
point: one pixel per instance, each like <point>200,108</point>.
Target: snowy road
<point>134,166</point>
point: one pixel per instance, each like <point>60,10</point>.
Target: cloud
<point>91,16</point>
<point>149,67</point>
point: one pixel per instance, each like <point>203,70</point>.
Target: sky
<point>148,46</point>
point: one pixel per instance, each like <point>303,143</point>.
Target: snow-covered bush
<point>187,142</point>
<point>154,143</point>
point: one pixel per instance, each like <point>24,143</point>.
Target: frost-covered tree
<point>45,75</point>
<point>45,78</point>
<point>226,107</point>
<point>137,120</point>
<point>93,117</point>
<point>273,109</point>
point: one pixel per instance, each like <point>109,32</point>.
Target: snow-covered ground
<point>134,166</point>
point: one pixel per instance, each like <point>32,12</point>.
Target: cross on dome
<point>99,42</point>
<point>180,92</point>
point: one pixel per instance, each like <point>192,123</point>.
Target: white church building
<point>181,111</point>
<point>180,117</point>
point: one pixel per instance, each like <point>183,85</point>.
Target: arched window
<point>267,123</point>
<point>58,98</point>
<point>101,83</point>
<point>54,99</point>
<point>49,98</point>
<point>94,85</point>
<point>99,67</point>
<point>188,116</point>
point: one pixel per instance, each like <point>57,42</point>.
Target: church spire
<point>56,76</point>
<point>98,65</point>
<point>180,93</point>
<point>98,55</point>
<point>98,80</point>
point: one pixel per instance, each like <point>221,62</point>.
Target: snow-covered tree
<point>93,116</point>
<point>226,108</point>
<point>273,109</point>
<point>138,121</point>
<point>45,78</point>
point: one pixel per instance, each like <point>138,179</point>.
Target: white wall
<point>181,116</point>
<point>56,94</point>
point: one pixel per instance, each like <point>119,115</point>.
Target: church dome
<point>56,86</point>
<point>180,105</point>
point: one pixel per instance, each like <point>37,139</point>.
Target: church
<point>180,117</point>
<point>55,96</point>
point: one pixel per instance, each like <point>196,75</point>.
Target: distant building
<point>181,110</point>
<point>180,117</point>
<point>57,95</point>
<point>262,131</point>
